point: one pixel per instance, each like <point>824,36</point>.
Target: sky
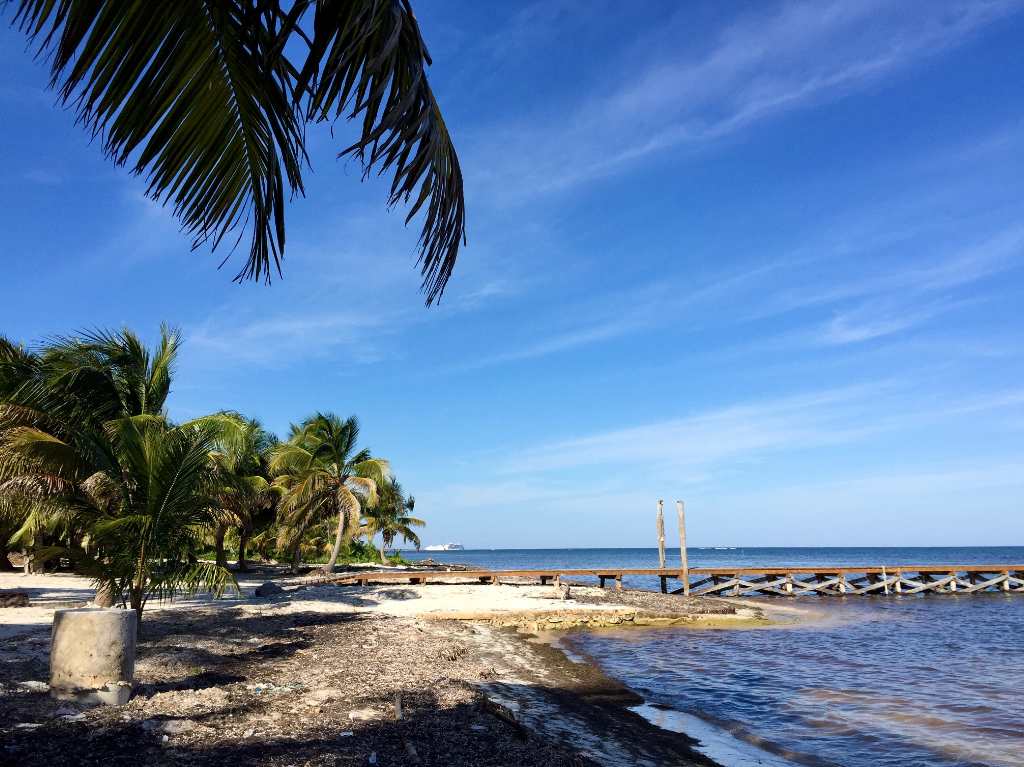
<point>764,257</point>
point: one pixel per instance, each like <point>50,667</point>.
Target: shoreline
<point>488,668</point>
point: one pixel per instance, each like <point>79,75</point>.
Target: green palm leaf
<point>201,99</point>
<point>196,95</point>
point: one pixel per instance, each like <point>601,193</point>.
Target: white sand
<point>53,591</point>
<point>432,600</point>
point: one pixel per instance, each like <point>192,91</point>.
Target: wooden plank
<point>766,581</point>
<point>673,573</point>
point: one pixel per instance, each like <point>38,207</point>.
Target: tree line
<point>94,473</point>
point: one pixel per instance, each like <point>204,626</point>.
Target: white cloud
<point>737,432</point>
<point>745,432</point>
<point>286,338</point>
<point>673,94</point>
<point>718,456</point>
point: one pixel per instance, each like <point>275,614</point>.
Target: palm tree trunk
<point>383,556</point>
<point>136,589</point>
<point>329,567</point>
<point>218,545</point>
<point>296,555</point>
<point>104,596</point>
<point>243,540</point>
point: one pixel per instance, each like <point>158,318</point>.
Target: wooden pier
<point>749,581</point>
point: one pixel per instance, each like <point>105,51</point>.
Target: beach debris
<point>324,694</point>
<point>269,687</point>
<point>28,725</point>
<point>268,589</point>
<point>249,733</point>
<point>34,686</point>
<point>453,652</point>
<point>398,707</point>
<point>13,599</point>
<point>507,711</point>
<point>364,714</point>
<point>68,714</point>
<point>372,759</point>
<point>410,751</point>
<point>180,701</point>
<point>174,726</point>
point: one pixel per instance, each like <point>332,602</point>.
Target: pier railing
<point>751,581</point>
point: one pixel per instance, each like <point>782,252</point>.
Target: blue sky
<point>765,257</point>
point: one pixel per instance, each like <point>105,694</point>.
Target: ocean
<point>913,681</point>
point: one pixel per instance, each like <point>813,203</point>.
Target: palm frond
<point>367,60</point>
<point>196,95</point>
<point>363,486</point>
<point>201,99</point>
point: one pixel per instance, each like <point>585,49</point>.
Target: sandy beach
<point>327,675</point>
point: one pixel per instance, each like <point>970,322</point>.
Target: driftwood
<point>506,713</point>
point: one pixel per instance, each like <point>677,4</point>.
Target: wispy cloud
<point>744,432</point>
<point>739,459</point>
<point>285,339</point>
<point>847,298</point>
<point>732,433</point>
<point>771,61</point>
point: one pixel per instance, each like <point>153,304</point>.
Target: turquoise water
<point>922,681</point>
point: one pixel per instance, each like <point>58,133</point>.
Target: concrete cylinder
<point>92,655</point>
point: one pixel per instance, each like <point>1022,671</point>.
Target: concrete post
<point>92,655</point>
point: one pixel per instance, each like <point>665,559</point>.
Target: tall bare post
<point>681,513</point>
<point>661,535</point>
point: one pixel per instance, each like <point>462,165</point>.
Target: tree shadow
<point>428,734</point>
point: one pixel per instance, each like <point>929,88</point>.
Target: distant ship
<point>445,547</point>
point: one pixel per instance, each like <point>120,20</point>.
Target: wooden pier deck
<point>750,581</point>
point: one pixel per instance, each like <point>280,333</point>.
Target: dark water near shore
<point>916,681</point>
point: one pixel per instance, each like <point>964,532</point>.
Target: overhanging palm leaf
<point>196,94</point>
<point>367,59</point>
<point>201,98</point>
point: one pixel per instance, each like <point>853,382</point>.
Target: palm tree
<point>68,390</point>
<point>323,475</point>
<point>244,492</point>
<point>209,101</point>
<point>391,517</point>
<point>18,366</point>
<point>86,449</point>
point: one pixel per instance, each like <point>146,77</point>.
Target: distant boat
<point>445,547</point>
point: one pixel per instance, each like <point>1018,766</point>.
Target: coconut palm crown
<point>323,475</point>
<point>392,517</point>
<point>87,453</point>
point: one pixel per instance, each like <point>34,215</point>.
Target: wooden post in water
<point>661,535</point>
<point>661,544</point>
<point>681,513</point>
